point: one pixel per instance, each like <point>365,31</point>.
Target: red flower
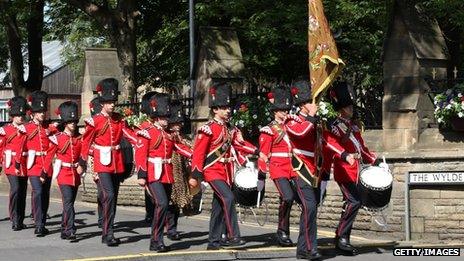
<point>128,112</point>
<point>212,91</point>
<point>29,98</point>
<point>294,91</point>
<point>462,98</point>
<point>243,107</point>
<point>99,88</point>
<point>57,111</point>
<point>153,103</point>
<point>90,105</point>
<point>29,112</point>
<point>270,95</point>
<point>9,103</point>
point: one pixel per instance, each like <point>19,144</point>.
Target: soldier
<point>153,160</point>
<point>66,146</point>
<point>345,132</point>
<point>11,138</point>
<point>302,130</point>
<point>276,158</point>
<point>37,145</point>
<point>104,132</point>
<point>212,161</point>
<point>180,197</point>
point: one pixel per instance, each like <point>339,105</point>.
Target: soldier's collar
<point>219,121</point>
<point>36,122</point>
<point>156,124</point>
<point>303,114</point>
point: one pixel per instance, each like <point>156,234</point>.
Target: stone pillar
<point>100,63</point>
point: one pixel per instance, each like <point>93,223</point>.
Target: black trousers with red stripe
<point>40,199</point>
<point>68,197</point>
<point>352,203</point>
<point>17,204</point>
<point>287,195</point>
<point>109,185</point>
<point>171,219</point>
<point>308,197</point>
<point>223,212</point>
<point>161,194</point>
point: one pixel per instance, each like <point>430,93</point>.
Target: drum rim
<point>374,188</point>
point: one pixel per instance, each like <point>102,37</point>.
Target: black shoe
<point>41,232</point>
<point>314,255</point>
<point>214,246</point>
<point>174,236</point>
<point>344,246</point>
<point>71,237</point>
<point>100,225</point>
<point>148,220</point>
<point>159,248</point>
<point>234,242</point>
<point>111,241</point>
<point>284,240</point>
<point>63,236</point>
<point>18,227</point>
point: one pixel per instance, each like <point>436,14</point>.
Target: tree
<point>14,13</point>
<point>118,20</point>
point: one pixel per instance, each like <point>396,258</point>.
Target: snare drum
<point>245,187</point>
<point>375,187</point>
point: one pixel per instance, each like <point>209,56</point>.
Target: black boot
<point>313,255</point>
<point>233,243</point>
<point>160,248</point>
<point>41,232</point>
<point>343,245</point>
<point>283,239</point>
<point>110,241</point>
<point>174,236</point>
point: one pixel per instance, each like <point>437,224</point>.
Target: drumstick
<point>259,199</point>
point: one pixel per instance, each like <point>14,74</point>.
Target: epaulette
<point>53,139</point>
<point>22,129</point>
<point>206,129</point>
<point>89,121</point>
<point>267,130</point>
<point>294,118</point>
<point>2,131</point>
<point>144,133</point>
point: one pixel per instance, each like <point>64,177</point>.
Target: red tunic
<point>104,133</point>
<point>346,134</point>
<point>210,137</point>
<point>11,139</point>
<point>153,153</point>
<point>275,144</point>
<point>67,149</point>
<point>37,146</point>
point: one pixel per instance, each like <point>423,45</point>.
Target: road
<point>134,234</point>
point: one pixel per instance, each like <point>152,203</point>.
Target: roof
<point>51,57</point>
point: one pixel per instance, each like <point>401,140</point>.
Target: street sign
<point>436,178</point>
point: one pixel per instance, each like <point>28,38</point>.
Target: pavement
<point>135,235</point>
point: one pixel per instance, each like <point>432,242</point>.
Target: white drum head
<point>376,177</point>
<point>246,178</point>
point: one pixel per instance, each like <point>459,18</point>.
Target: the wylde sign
<point>436,178</point>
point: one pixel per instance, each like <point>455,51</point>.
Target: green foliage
<point>250,114</point>
<point>449,105</point>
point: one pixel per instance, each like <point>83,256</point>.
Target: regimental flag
<point>324,62</point>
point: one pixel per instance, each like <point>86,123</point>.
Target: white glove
<point>204,185</point>
<point>384,166</point>
<point>83,175</point>
<point>250,165</point>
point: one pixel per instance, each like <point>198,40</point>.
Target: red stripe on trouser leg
<point>155,215</point>
<point>305,211</point>
<point>281,206</point>
<point>105,210</point>
<point>224,208</point>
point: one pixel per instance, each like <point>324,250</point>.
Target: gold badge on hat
<point>287,102</point>
<point>112,92</point>
<point>72,114</point>
<point>228,99</point>
<point>179,114</point>
<point>41,104</point>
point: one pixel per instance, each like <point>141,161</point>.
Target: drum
<point>245,187</point>
<point>375,187</point>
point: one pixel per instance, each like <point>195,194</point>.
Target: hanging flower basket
<point>449,108</point>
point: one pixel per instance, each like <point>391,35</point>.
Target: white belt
<point>117,147</point>
<point>281,154</point>
<point>37,153</point>
<point>226,160</point>
<point>304,152</point>
<point>164,161</point>
<point>13,153</point>
<point>69,165</point>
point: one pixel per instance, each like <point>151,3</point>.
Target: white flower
<point>448,92</point>
<point>235,111</point>
<point>259,126</point>
<point>459,95</point>
<point>448,107</point>
<point>241,122</point>
<point>267,113</point>
<point>440,120</point>
<point>452,102</point>
<point>460,114</point>
<point>269,119</point>
<point>255,116</point>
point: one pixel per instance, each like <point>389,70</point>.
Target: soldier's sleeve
<point>129,134</point>
<point>183,149</point>
<point>368,157</point>
<point>241,144</point>
<point>200,148</point>
<point>87,141</point>
<point>51,151</point>
<point>141,154</point>
<point>333,146</point>
<point>299,128</point>
<point>2,144</point>
<point>265,144</point>
<point>22,146</point>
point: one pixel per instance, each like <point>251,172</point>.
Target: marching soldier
<point>104,132</point>
<point>153,160</point>
<point>212,161</point>
<point>66,146</point>
<point>276,158</point>
<point>180,197</point>
<point>302,132</point>
<point>345,132</point>
<point>11,138</point>
<point>38,167</point>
